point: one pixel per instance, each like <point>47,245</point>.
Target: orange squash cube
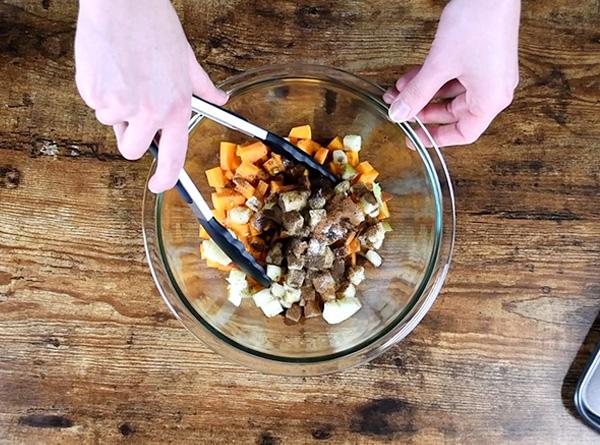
<point>301,132</point>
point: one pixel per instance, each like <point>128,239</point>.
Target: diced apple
<point>336,311</point>
<point>352,142</point>
<point>272,308</point>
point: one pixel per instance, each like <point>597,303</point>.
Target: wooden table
<point>90,354</point>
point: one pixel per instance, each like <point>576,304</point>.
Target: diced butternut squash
<point>228,174</point>
<point>228,159</point>
<point>353,159</point>
<point>227,199</point>
<point>241,230</point>
<point>336,144</point>
<point>276,186</point>
<point>335,168</point>
<point>353,260</point>
<point>220,215</point>
<point>321,155</point>
<point>253,152</point>
<point>368,177</point>
<point>350,238</point>
<point>364,167</point>
<point>203,234</point>
<point>227,268</point>
<point>202,252</point>
<point>253,230</point>
<point>384,211</point>
<point>216,178</point>
<point>261,189</point>
<point>245,188</point>
<point>248,171</point>
<point>308,146</point>
<point>302,132</point>
<point>354,246</point>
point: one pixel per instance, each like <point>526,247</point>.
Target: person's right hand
<point>135,67</point>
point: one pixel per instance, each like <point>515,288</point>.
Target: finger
<point>444,113</point>
<point>417,93</point>
<point>437,114</point>
<point>450,89</point>
<point>465,131</point>
<point>109,116</point>
<point>390,95</point>
<point>135,139</point>
<point>171,156</point>
<point>119,128</point>
<point>407,77</point>
<point>202,86</point>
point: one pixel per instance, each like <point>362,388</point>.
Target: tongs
<point>230,245</point>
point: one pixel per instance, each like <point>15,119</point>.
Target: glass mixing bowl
<point>416,254</point>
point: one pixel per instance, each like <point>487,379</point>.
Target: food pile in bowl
<point>315,238</point>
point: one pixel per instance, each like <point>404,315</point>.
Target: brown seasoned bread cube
<point>315,216</point>
<point>373,236</point>
<point>293,200</point>
<point>262,223</point>
<point>351,212</point>
<point>315,247</point>
<point>324,285</point>
<point>295,278</point>
<point>275,255</point>
<point>322,260</point>
<point>317,200</point>
<point>328,258</point>
<point>297,246</point>
<point>294,262</point>
<point>338,269</point>
<point>274,213</point>
<point>294,313</point>
<point>292,222</point>
<point>331,233</point>
<point>312,309</point>
<point>253,203</point>
<point>341,252</point>
<point>308,291</point>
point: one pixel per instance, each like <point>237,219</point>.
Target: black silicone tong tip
<point>230,245</point>
<point>286,149</point>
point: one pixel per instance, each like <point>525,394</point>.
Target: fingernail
<point>410,145</point>
<point>399,111</point>
<point>224,96</point>
<point>154,186</point>
<point>388,96</point>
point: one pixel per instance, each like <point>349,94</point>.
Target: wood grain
<point>89,353</point>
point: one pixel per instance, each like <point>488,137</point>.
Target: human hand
<point>135,67</point>
<point>472,66</point>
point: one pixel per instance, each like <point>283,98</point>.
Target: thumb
<point>202,86</point>
<point>417,93</point>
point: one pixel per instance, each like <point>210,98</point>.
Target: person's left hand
<point>472,68</point>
